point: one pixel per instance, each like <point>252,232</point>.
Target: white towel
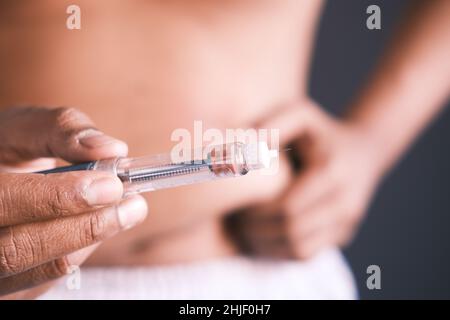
<point>327,276</point>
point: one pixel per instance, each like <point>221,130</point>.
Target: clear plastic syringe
<point>161,171</point>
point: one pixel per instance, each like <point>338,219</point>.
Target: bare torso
<point>141,69</point>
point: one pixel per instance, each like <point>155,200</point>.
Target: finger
<point>263,222</point>
<point>331,212</point>
<point>31,197</point>
<point>320,216</point>
<point>290,239</point>
<point>274,244</point>
<point>265,244</point>
<point>278,249</point>
<point>317,242</point>
<point>300,241</point>
<point>33,132</point>
<point>325,225</point>
<point>325,239</point>
<point>256,227</point>
<point>296,238</point>
<point>29,294</point>
<point>311,187</point>
<point>257,233</point>
<point>46,273</point>
<point>348,229</point>
<point>295,119</point>
<point>345,235</point>
<point>27,246</point>
<point>262,231</point>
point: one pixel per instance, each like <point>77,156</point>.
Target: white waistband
<point>327,276</point>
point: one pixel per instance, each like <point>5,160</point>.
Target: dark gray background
<point>406,231</point>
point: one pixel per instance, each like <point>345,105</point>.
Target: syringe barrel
<point>168,170</point>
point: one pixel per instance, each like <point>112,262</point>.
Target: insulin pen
<point>156,172</point>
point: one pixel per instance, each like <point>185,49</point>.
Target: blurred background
<point>406,231</point>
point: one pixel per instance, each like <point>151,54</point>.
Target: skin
<point>209,61</point>
<point>49,223</point>
<point>345,159</point>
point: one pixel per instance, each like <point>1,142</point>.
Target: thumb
<point>27,133</point>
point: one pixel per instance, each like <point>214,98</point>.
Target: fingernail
<point>132,211</point>
<point>93,139</point>
<point>102,191</point>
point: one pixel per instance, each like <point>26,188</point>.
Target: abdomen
<point>142,71</point>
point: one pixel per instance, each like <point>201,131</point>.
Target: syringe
<point>161,171</point>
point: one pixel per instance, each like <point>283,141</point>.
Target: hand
<point>47,220</point>
<point>326,201</point>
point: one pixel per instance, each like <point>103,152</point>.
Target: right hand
<point>47,220</point>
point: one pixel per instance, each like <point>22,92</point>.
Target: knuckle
<point>6,205</point>
<point>95,228</point>
<point>64,119</point>
<point>21,200</point>
<point>45,196</point>
<point>64,115</point>
<point>38,192</point>
<point>15,251</point>
<point>61,202</point>
<point>8,259</point>
<point>64,194</point>
<point>57,268</point>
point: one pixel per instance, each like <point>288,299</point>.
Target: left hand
<point>325,203</point>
